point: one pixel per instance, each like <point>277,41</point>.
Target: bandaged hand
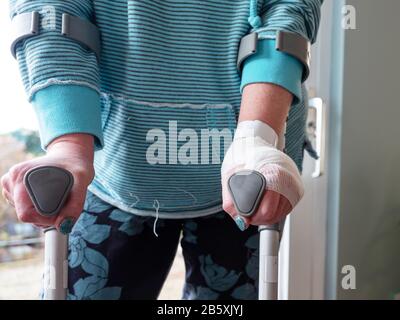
<point>255,147</point>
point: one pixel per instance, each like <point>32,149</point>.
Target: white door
<point>302,254</point>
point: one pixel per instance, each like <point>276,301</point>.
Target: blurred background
<point>20,244</point>
<point>342,242</point>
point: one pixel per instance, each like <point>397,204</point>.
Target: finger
<point>266,213</point>
<point>242,222</point>
<point>229,207</point>
<point>284,207</point>
<point>72,209</point>
<point>227,202</point>
<point>6,183</point>
<point>282,210</point>
<point>5,189</point>
<point>8,197</point>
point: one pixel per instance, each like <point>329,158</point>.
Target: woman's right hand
<point>72,152</point>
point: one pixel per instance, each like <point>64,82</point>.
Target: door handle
<point>316,129</point>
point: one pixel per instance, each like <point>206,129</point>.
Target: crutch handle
<point>49,187</point>
<point>246,188</point>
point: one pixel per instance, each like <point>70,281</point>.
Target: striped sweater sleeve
<point>268,65</point>
<point>60,76</point>
<point>297,16</point>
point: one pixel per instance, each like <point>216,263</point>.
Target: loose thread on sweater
<point>156,205</point>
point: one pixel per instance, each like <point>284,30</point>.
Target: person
<point>146,130</point>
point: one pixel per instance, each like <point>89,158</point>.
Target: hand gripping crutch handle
<point>247,189</point>
<point>48,188</point>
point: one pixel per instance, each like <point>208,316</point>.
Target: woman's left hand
<point>273,207</point>
<point>284,187</point>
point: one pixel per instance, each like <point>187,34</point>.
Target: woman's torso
<point>170,100</point>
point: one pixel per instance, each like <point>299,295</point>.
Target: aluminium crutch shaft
<point>247,188</point>
<point>48,188</point>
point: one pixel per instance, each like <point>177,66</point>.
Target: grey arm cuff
<point>287,42</point>
<point>27,25</point>
<point>297,46</point>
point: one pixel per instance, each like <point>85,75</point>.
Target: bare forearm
<point>266,102</point>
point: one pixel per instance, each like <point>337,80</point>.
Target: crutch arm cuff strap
<point>27,25</point>
<point>297,46</point>
<point>290,43</point>
<point>271,66</point>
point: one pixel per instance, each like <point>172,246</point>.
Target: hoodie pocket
<point>165,155</point>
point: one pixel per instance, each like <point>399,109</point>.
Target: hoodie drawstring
<point>254,19</point>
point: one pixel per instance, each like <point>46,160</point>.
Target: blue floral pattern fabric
<point>116,255</point>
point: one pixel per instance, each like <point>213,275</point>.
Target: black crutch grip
<point>247,188</point>
<point>48,187</point>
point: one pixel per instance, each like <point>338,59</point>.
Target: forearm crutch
<point>48,188</point>
<point>247,189</point>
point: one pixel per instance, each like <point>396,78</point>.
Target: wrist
<point>78,144</point>
<point>266,102</point>
<point>257,128</point>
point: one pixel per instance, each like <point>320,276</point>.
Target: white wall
<point>365,201</point>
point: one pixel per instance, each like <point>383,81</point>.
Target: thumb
<point>229,206</point>
<point>72,209</point>
<point>242,222</point>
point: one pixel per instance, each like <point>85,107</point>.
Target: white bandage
<point>254,147</point>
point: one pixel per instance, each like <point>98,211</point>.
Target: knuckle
<point>25,217</point>
<point>266,213</point>
<point>83,174</point>
<point>79,172</point>
<point>14,172</point>
<point>3,180</point>
<point>264,216</point>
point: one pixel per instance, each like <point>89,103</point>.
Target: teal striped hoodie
<point>164,93</point>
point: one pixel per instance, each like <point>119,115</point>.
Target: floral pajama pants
<point>116,255</point>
